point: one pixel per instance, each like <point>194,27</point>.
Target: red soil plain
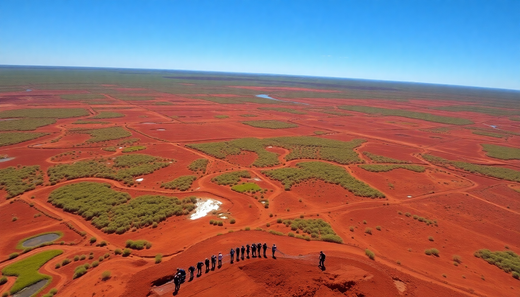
<point>471,211</point>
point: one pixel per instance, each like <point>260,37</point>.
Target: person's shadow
<point>323,268</point>
<point>191,278</point>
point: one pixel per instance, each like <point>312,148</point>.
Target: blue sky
<point>475,43</point>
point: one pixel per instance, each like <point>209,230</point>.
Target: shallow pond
<point>30,290</point>
<point>36,241</point>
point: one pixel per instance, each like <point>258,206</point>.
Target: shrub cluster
<point>18,180</point>
<point>25,124</point>
<point>56,113</point>
<point>10,138</point>
<point>270,124</point>
<point>508,261</point>
<point>133,148</point>
<point>123,169</point>
<point>199,165</point>
<point>300,147</point>
<point>317,229</point>
<point>383,159</point>
<point>501,152</point>
<point>107,115</point>
<point>109,210</point>
<point>488,170</point>
<point>182,183</point>
<point>432,251</point>
<point>327,172</point>
<point>138,244</point>
<point>230,178</point>
<point>105,134</point>
<point>386,168</point>
<point>407,114</point>
<point>370,254</point>
<point>283,109</point>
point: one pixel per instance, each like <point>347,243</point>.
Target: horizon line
<point>261,73</point>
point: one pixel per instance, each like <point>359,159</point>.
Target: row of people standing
<point>255,249</point>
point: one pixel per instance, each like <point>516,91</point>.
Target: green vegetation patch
<point>134,98</point>
<point>182,183</point>
<point>26,270</point>
<point>86,122</point>
<point>107,115</point>
<point>386,168</point>
<point>105,134</point>
<point>479,109</point>
<point>221,116</point>
<point>407,114</point>
<point>198,165</point>
<point>138,244</point>
<point>25,124</point>
<point>508,261</point>
<point>248,115</point>
<point>246,187</point>
<point>230,178</point>
<point>134,149</point>
<point>489,133</point>
<point>56,113</point>
<point>327,172</point>
<point>493,171</point>
<point>318,229</point>
<point>383,159</point>
<point>336,112</point>
<point>9,138</point>
<point>124,168</point>
<point>282,109</point>
<point>301,147</point>
<point>270,124</point>
<point>501,152</point>
<point>81,97</point>
<point>18,180</point>
<point>115,212</point>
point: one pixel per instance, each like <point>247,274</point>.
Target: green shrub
<point>82,257</point>
<point>327,172</point>
<point>118,252</point>
<point>378,228</point>
<point>95,264</point>
<point>109,210</point>
<point>126,252</point>
<point>9,138</point>
<point>270,124</point>
<point>230,178</point>
<point>65,261</point>
<point>351,228</point>
<point>457,259</point>
<point>182,183</point>
<point>232,221</point>
<point>106,275</point>
<point>3,280</point>
<point>430,238</point>
<point>79,271</point>
<point>407,114</point>
<point>158,258</point>
<point>370,254</point>
<point>279,221</point>
<point>138,244</point>
<point>133,149</point>
<point>17,180</point>
<point>92,240</point>
<point>368,231</point>
<point>198,165</point>
<point>57,265</point>
<point>13,255</point>
<point>508,260</point>
<point>383,159</point>
<point>331,238</point>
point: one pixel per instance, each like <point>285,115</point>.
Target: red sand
<point>472,211</point>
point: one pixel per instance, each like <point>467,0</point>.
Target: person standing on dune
<point>232,254</point>
<point>265,249</point>
<point>238,254</point>
<point>322,259</point>
<point>220,260</point>
<point>206,262</point>
<point>259,250</point>
<point>253,250</point>
<point>191,270</point>
<point>247,250</point>
<point>199,268</point>
<point>274,250</point>
<point>243,251</point>
<point>213,262</point>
